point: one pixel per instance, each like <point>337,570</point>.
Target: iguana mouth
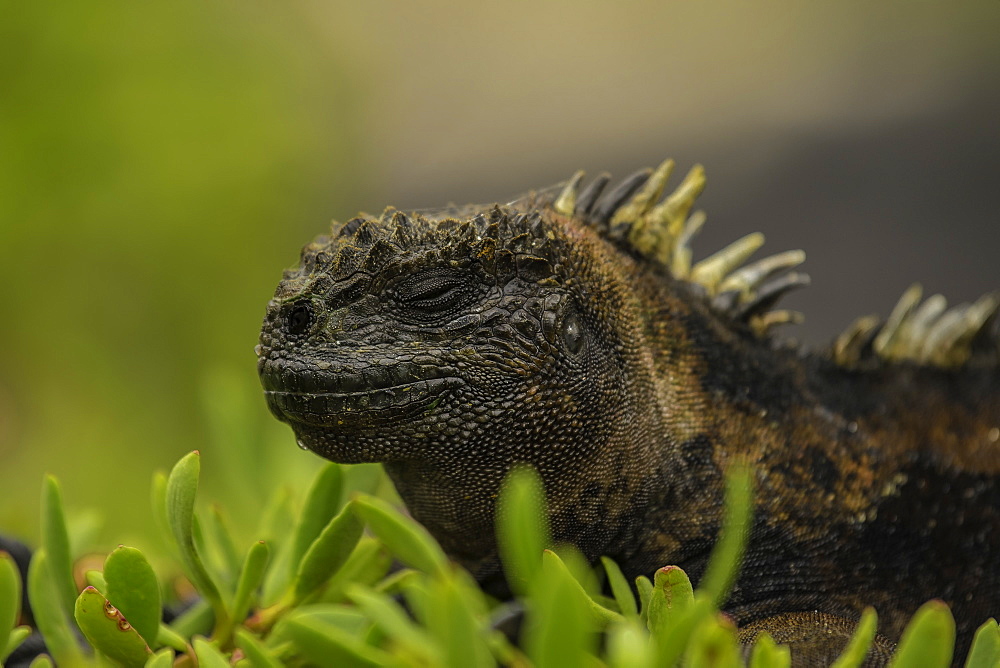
<point>375,395</point>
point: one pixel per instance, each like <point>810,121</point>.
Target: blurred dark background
<point>160,163</point>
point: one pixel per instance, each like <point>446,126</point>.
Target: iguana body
<point>569,330</point>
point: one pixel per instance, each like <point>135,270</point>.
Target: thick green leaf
<point>768,654</point>
<point>724,562</point>
<point>167,637</point>
<point>50,618</point>
<point>713,645</point>
<point>522,527</point>
<point>553,562</point>
<point>251,575</point>
<point>644,587</point>
<point>161,659</point>
<point>10,598</point>
<point>260,656</point>
<point>14,640</point>
<point>327,554</point>
<point>41,661</point>
<point>458,621</point>
<point>857,649</point>
<point>928,640</point>
<point>96,580</point>
<point>619,587</point>
<point>407,540</point>
<point>671,642</point>
<point>321,505</point>
<point>366,565</point>
<point>390,617</point>
<point>985,651</point>
<point>558,627</point>
<point>209,655</point>
<point>55,540</point>
<point>182,487</point>
<point>326,645</point>
<point>629,646</point>
<point>133,589</point>
<point>670,597</point>
<point>109,631</point>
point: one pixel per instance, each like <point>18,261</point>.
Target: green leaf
<point>558,627</point>
<point>41,661</point>
<point>366,565</point>
<point>458,621</point>
<point>209,655</point>
<point>133,589</point>
<point>670,597</point>
<point>552,562</point>
<point>985,651</point>
<point>321,505</point>
<point>14,640</point>
<point>619,587</point>
<point>10,598</point>
<point>644,587</point>
<point>166,636</point>
<point>55,540</point>
<point>713,645</point>
<point>724,562</point>
<point>326,645</point>
<point>407,540</point>
<point>671,642</point>
<point>259,655</point>
<point>390,617</point>
<point>522,527</point>
<point>861,641</point>
<point>161,659</point>
<point>629,646</point>
<point>50,618</point>
<point>768,654</point>
<point>108,630</point>
<point>251,575</point>
<point>928,640</point>
<point>275,520</point>
<point>182,486</point>
<point>327,554</point>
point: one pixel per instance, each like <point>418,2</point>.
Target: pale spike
<point>746,279</point>
<point>887,338</point>
<point>938,347</point>
<point>633,210</point>
<point>672,212</point>
<point>956,346</point>
<point>762,323</point>
<point>847,348</point>
<point>680,260</point>
<point>710,271</point>
<point>566,202</point>
<point>913,331</point>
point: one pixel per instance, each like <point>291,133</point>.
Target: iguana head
<point>482,334</point>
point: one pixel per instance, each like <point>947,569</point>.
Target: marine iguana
<point>569,329</point>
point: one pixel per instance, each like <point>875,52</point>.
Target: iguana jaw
<point>351,399</point>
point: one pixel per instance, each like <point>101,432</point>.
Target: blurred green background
<point>160,163</point>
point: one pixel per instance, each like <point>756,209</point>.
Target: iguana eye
<point>298,319</point>
<point>432,293</point>
<point>573,334</point>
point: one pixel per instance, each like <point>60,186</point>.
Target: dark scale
<point>572,330</point>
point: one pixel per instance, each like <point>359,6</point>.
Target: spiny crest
<point>926,333</point>
<point>636,214</point>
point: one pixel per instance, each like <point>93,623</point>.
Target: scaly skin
<point>553,331</point>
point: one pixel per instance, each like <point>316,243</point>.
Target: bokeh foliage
<point>160,163</point>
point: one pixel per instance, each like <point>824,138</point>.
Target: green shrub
<point>326,594</point>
